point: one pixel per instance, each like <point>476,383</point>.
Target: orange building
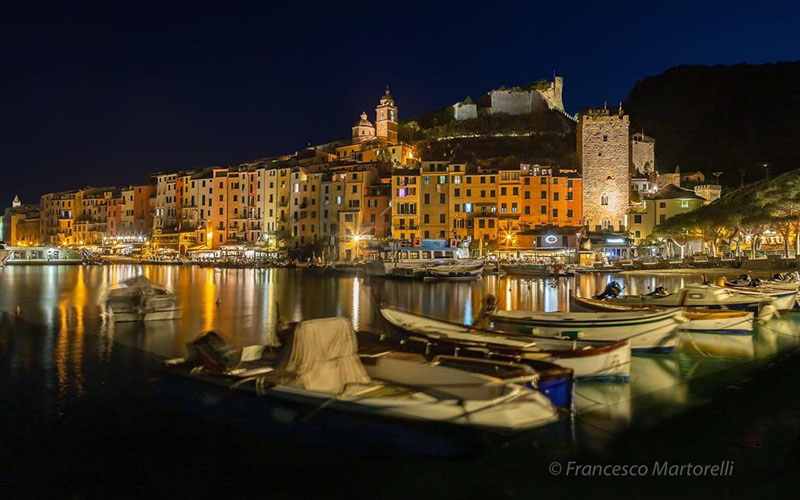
<point>551,196</point>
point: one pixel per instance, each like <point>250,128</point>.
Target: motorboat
<point>698,319</point>
<point>139,299</point>
<point>783,300</point>
<point>588,359</point>
<point>651,331</point>
<point>317,386</point>
<point>786,281</point>
<point>705,296</point>
<point>412,262</point>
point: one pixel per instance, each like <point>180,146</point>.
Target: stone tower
<point>386,119</point>
<point>604,155</point>
<point>643,153</point>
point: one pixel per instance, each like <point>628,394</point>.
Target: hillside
<point>722,118</point>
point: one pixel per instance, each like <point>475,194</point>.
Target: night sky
<point>106,94</point>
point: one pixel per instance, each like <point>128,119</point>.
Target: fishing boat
<point>651,331</point>
<point>705,296</point>
<point>698,320</point>
<point>455,272</point>
<point>318,388</point>
<point>788,281</point>
<point>782,299</point>
<point>588,359</point>
<point>139,299</point>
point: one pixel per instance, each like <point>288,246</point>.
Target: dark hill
<point>722,118</point>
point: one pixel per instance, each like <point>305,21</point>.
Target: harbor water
<point>77,418</point>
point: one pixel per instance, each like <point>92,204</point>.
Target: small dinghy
<point>318,387</point>
<point>652,331</point>
<point>588,359</point>
<point>698,320</point>
<point>705,296</point>
<point>139,299</point>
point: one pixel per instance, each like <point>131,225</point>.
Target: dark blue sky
<point>105,94</point>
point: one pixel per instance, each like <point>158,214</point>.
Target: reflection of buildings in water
<point>716,345</point>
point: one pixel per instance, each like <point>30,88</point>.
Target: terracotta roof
<point>673,192</point>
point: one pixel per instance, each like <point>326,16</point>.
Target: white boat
<point>588,359</point>
<point>782,299</point>
<point>320,370</point>
<point>412,262</point>
<point>705,296</point>
<point>139,299</point>
<point>698,319</point>
<point>455,272</point>
<point>653,331</point>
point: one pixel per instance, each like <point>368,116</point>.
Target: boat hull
<point>645,335</point>
<point>605,360</point>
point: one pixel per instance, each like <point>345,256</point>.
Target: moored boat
<point>588,359</point>
<point>705,296</point>
<point>697,319</point>
<point>318,386</point>
<point>139,299</point>
<point>652,331</point>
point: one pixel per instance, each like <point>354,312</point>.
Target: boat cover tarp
<point>324,356</point>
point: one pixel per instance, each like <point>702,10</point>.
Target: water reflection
<point>244,307</point>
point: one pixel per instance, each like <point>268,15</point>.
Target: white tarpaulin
<point>324,355</point>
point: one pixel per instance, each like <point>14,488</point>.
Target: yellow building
<point>667,202</point>
<point>406,204</point>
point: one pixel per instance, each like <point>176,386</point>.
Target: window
<point>684,203</point>
<point>427,198</point>
<point>491,223</point>
<point>457,207</point>
<point>662,204</point>
<point>544,195</point>
<point>503,191</point>
<point>555,196</point>
<point>442,199</point>
<point>441,219</point>
<point>569,195</point>
<point>637,219</point>
<point>638,234</point>
<point>544,210</point>
<point>468,207</point>
<point>481,223</point>
<point>569,212</point>
<point>555,212</point>
<point>527,195</point>
<point>604,199</point>
<point>527,210</point>
<point>426,218</point>
<point>605,138</point>
<point>503,207</point>
<point>515,191</point>
<point>544,180</point>
<point>555,180</point>
<point>457,192</point>
<point>569,183</point>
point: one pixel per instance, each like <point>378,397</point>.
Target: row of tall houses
<point>335,196</point>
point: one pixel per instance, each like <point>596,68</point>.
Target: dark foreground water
<point>78,417</point>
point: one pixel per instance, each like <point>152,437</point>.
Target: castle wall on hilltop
<point>517,101</point>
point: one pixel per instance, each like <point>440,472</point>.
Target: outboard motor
<point>612,290</point>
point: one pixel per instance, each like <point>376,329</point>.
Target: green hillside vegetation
<point>743,215</point>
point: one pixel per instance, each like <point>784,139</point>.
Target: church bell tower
<point>386,119</point>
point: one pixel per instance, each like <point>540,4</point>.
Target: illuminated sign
<point>615,241</point>
<point>550,239</point>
